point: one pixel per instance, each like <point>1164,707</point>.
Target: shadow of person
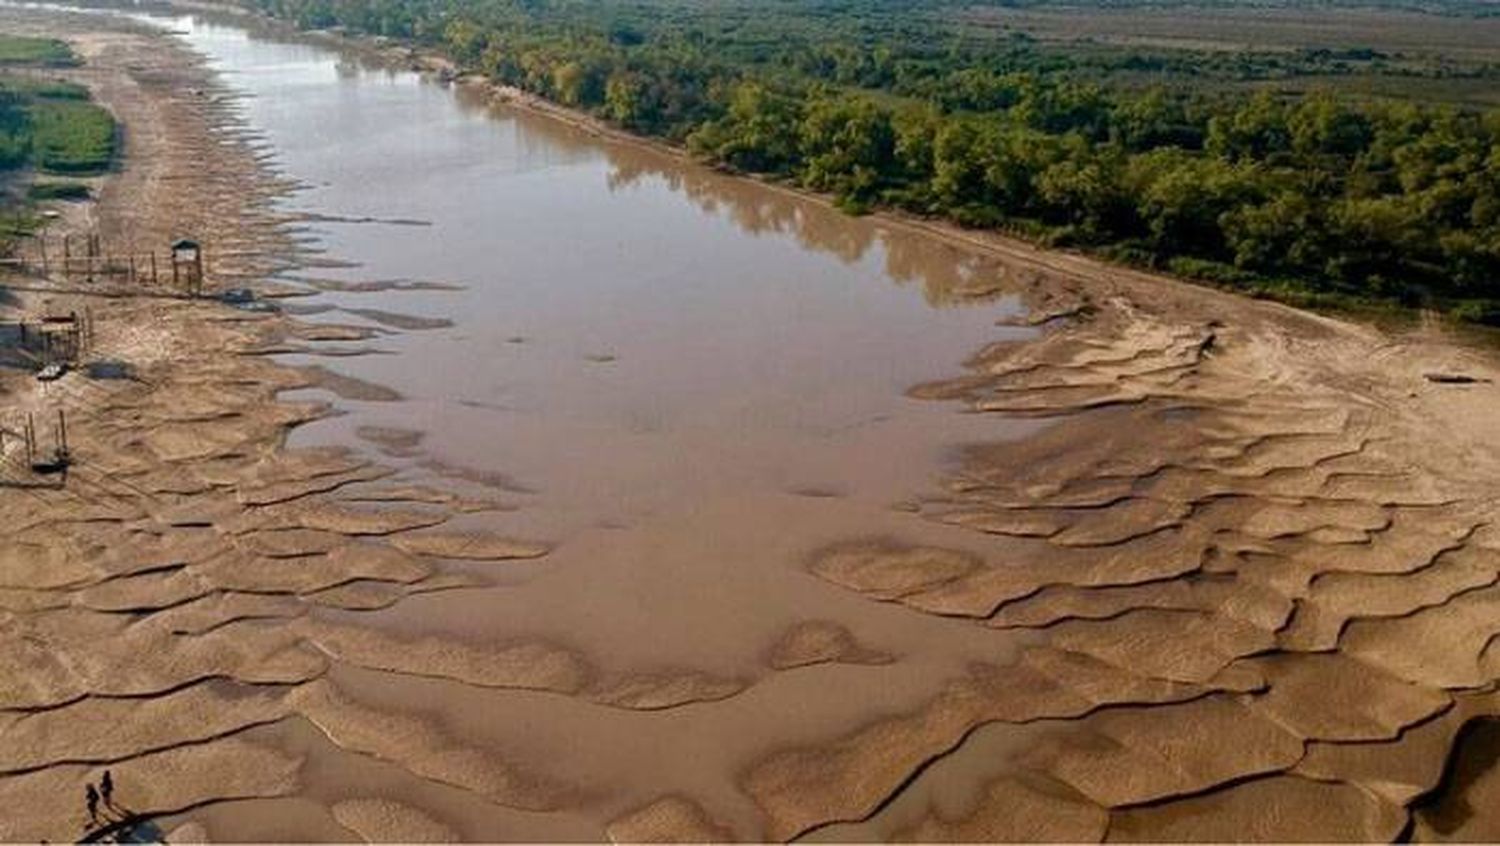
<point>129,828</point>
<point>142,831</point>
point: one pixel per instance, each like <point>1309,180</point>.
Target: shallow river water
<point>686,382</point>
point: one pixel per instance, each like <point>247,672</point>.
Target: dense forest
<point>1320,197</point>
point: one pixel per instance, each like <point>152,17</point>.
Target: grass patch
<point>72,137</point>
<point>47,52</point>
<point>42,89</point>
<point>16,224</point>
<point>58,191</point>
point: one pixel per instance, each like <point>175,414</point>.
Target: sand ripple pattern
<point>188,586</point>
<point>1263,578</point>
<point>1257,551</point>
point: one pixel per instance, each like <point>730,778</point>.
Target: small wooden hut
<point>187,265</point>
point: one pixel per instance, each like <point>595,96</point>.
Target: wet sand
<point>1238,585</point>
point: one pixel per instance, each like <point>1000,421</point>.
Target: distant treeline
<point>1447,8</point>
<point>1319,197</point>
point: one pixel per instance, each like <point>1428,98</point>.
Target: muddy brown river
<point>686,382</point>
<point>625,500</point>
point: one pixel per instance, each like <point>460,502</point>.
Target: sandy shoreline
<point>1256,549</point>
<point>138,596</point>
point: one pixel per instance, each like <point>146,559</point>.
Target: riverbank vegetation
<point>1173,158</point>
<point>71,136</point>
<point>44,52</point>
<point>53,127</point>
<point>46,126</point>
<point>65,190</point>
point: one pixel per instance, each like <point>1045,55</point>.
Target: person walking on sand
<point>107,790</point>
<point>91,796</point>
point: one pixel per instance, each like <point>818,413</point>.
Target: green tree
<point>1256,130</point>
<point>847,146</point>
<point>759,132</point>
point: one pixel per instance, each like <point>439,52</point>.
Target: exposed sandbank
<point>1252,566</point>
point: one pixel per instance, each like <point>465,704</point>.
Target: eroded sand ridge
<point>1248,573</point>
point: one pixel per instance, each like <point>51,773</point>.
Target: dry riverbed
<point>1251,569</point>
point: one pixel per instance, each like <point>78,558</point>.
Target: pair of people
<point>92,796</point>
